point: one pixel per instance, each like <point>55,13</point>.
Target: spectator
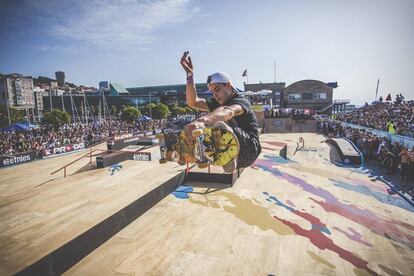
<point>405,158</point>
<point>397,117</point>
<point>390,157</point>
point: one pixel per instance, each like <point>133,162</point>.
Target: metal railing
<point>341,101</point>
<point>89,154</point>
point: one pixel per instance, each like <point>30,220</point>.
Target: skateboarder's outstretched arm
<point>222,113</point>
<point>192,99</point>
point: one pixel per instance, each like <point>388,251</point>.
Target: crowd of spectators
<point>44,137</point>
<point>300,114</point>
<point>396,117</point>
<point>392,158</point>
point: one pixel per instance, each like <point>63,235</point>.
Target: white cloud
<point>120,25</point>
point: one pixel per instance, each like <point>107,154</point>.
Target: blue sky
<point>139,43</point>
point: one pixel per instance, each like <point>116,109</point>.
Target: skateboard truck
<point>203,159</point>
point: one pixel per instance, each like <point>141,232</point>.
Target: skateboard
<point>211,146</point>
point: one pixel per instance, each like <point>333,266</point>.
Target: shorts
<point>249,148</point>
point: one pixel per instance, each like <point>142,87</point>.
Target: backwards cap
<point>218,77</point>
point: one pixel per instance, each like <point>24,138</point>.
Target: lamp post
<point>150,104</point>
<point>7,103</point>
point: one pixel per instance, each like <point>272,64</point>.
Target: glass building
<point>137,96</point>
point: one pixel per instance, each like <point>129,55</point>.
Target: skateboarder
<point>227,110</point>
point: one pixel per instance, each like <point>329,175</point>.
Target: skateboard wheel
<point>197,132</point>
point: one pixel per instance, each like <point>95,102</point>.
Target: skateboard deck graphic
<point>216,146</point>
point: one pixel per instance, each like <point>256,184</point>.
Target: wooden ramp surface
<point>301,216</point>
<point>40,212</point>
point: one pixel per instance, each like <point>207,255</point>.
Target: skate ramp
<point>50,222</point>
<point>335,220</point>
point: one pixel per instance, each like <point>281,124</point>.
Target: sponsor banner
<point>142,156</point>
<point>124,142</point>
<point>9,160</point>
<point>52,152</point>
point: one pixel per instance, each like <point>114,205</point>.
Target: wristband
<point>190,79</point>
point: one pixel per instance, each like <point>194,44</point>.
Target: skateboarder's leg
<point>249,148</point>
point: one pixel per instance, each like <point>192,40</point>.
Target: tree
<point>15,116</point>
<point>57,118</point>
<point>130,114</point>
<point>178,111</point>
<point>147,110</point>
<point>172,106</point>
<point>160,111</point>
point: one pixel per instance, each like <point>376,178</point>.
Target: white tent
<point>249,93</point>
<point>264,92</point>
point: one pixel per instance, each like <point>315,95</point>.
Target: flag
<point>244,73</point>
<point>388,97</point>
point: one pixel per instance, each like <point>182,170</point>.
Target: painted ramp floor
<point>301,216</point>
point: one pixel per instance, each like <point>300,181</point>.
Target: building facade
<point>16,91</point>
<point>137,96</point>
<point>104,86</point>
<point>60,77</point>
<point>169,94</point>
<point>117,89</point>
<point>308,94</point>
<point>39,93</point>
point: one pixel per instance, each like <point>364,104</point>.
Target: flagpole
<point>376,92</point>
<point>274,69</point>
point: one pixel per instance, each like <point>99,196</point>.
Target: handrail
<point>64,167</point>
<point>90,156</point>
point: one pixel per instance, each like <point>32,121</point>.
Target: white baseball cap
<point>218,77</point>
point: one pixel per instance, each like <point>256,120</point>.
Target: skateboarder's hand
<point>189,130</point>
<point>186,63</point>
